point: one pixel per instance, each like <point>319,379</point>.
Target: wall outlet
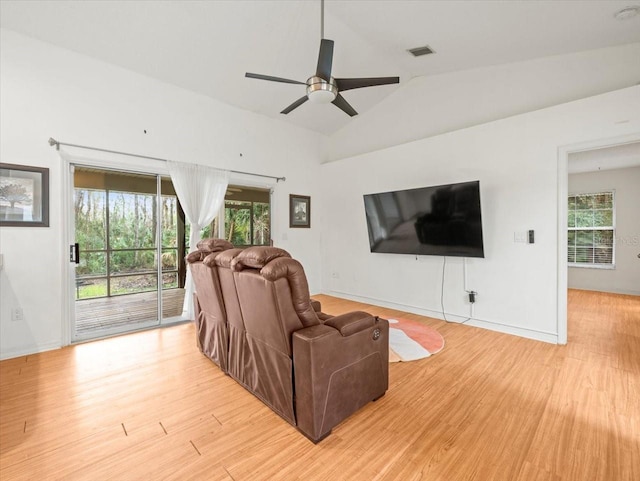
<point>17,314</point>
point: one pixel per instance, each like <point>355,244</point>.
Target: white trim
<point>591,266</point>
<point>563,192</point>
<point>535,334</point>
<point>67,271</point>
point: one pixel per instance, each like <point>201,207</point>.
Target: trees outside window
<point>117,232</point>
<point>247,218</point>
<point>591,230</point>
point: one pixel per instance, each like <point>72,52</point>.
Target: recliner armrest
<point>351,322</point>
<point>336,374</point>
<point>317,307</point>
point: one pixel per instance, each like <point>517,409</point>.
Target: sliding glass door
<point>129,252</point>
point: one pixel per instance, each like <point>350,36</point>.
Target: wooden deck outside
<point>127,310</point>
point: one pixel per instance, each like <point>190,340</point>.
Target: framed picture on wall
<point>299,210</point>
<point>24,196</point>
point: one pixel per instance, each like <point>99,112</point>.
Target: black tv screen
<point>442,220</point>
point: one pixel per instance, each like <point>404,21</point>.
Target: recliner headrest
<point>195,256</point>
<point>256,257</point>
<point>206,247</point>
<point>221,259</point>
<point>214,245</point>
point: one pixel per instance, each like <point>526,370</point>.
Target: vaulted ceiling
<point>207,46</point>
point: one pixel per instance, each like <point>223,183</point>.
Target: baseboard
<point>624,292</point>
<point>27,351</point>
<point>535,334</point>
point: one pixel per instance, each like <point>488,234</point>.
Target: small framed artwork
<point>24,196</point>
<point>299,210</point>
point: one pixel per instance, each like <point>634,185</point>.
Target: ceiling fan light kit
<point>320,91</point>
<point>322,88</point>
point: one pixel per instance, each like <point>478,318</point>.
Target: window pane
<point>603,218</point>
<point>92,264</point>
<point>603,238</point>
<point>169,280</point>
<point>261,234</point>
<point>603,201</point>
<point>572,202</point>
<point>90,288</point>
<point>572,219</point>
<point>584,202</point>
<point>131,284</point>
<point>584,218</point>
<point>584,254</point>
<point>584,237</point>
<point>132,220</point>
<point>169,259</point>
<point>603,255</point>
<point>129,261</point>
<point>91,218</point>
<point>571,238</point>
<point>169,221</point>
<point>237,226</point>
<point>206,232</point>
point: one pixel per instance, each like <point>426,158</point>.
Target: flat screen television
<point>441,220</point>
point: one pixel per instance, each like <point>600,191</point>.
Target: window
<point>247,217</point>
<point>116,221</point>
<point>591,230</point>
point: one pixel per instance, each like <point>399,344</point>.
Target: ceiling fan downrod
<point>321,19</point>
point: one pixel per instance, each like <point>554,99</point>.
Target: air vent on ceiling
<point>419,51</point>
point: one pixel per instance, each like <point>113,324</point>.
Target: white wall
<point>51,92</point>
<point>625,278</point>
<point>435,104</point>
<point>516,162</point>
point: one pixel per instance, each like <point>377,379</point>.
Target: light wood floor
<point>489,407</point>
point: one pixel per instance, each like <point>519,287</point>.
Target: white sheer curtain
<point>201,193</point>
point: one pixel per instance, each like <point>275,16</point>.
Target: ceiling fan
<point>322,87</point>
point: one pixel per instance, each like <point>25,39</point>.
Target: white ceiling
<point>207,46</point>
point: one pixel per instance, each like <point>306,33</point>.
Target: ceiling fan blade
<point>272,79</point>
<point>343,105</point>
<point>295,105</point>
<point>357,83</point>
<point>325,59</point>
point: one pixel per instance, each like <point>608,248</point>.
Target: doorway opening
<point>130,248</point>
<point>582,158</point>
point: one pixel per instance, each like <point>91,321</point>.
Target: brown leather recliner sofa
<point>312,369</point>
